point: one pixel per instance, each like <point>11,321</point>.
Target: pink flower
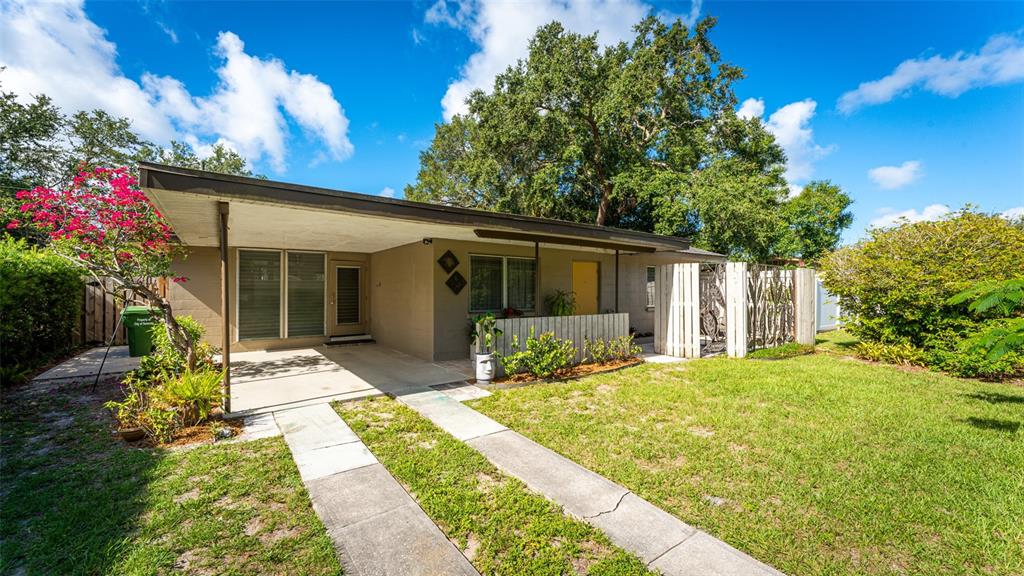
<point>13,224</point>
<point>179,279</point>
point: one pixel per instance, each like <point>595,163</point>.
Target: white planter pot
<point>484,367</point>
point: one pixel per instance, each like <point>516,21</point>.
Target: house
<point>294,266</point>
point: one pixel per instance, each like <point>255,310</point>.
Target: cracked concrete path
<point>376,527</point>
<point>661,540</point>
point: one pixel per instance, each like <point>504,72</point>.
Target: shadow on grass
<point>73,494</point>
<point>1007,426</point>
<point>996,398</point>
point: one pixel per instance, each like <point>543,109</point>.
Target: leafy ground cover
<point>816,464</point>
<point>499,524</point>
<point>76,500</point>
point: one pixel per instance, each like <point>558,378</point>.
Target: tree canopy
<point>640,135</point>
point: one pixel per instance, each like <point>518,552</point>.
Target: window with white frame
<point>499,282</point>
<point>651,273</point>
<point>277,288</point>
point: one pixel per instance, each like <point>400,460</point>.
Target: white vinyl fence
<point>575,328</point>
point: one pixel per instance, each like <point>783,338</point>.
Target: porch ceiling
<point>264,225</point>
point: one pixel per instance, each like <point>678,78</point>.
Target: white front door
<point>348,298</point>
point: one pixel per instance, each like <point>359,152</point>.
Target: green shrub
<point>193,394</point>
<point>903,354</point>
<point>898,287</point>
<point>543,356</point>
<point>170,356</point>
<point>40,304</point>
<point>603,351</point>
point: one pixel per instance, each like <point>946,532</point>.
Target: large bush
<point>895,286</point>
<point>40,302</point>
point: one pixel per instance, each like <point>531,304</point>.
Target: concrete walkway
<point>87,364</point>
<point>661,540</point>
<point>376,527</point>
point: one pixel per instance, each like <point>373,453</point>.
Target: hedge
<point>40,303</point>
<point>896,284</point>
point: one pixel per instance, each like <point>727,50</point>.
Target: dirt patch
<point>701,431</point>
<point>253,526</point>
<point>190,495</point>
<point>272,536</point>
<point>590,553</point>
<point>486,483</point>
<point>472,547</point>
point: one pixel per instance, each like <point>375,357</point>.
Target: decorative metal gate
<point>712,309</point>
<point>771,310</point>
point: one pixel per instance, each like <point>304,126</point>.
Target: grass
<point>839,341</point>
<point>787,350</point>
<point>499,524</point>
<point>818,464</point>
<point>76,500</point>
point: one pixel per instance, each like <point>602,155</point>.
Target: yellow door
<point>584,285</point>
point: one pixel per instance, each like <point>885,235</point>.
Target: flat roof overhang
<point>268,214</point>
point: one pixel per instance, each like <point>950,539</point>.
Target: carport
<point>280,379</point>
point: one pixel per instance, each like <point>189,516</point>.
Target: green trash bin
<point>138,322</point>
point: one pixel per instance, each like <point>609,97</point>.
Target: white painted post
<point>806,293</point>
<point>736,309</point>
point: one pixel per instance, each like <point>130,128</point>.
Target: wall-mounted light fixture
<point>428,241</point>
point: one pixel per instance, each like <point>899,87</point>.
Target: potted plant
<point>483,332</point>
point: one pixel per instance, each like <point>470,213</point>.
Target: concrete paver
<point>87,364</point>
<point>451,415</point>
<point>376,527</point>
<point>706,555</point>
<point>581,492</point>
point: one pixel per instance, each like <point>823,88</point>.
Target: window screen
<point>650,286</point>
<point>305,294</point>
<point>521,283</point>
<point>348,295</point>
<point>485,283</point>
<point>259,294</point>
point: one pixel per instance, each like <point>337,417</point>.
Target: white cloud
<point>751,108</point>
<point>53,48</point>
<point>388,192</point>
<point>1013,213</point>
<point>502,29</point>
<point>889,217</point>
<point>791,127</point>
<point>1000,61</point>
<point>893,177</point>
<point>169,31</point>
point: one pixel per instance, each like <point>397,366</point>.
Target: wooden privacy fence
<point>575,328</point>
<point>100,311</point>
<point>764,306</point>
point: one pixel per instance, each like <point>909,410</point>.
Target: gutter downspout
<point>223,209</point>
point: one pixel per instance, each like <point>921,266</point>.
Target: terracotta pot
<point>132,434</point>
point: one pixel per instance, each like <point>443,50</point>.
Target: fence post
<point>736,309</point>
<point>805,288</point>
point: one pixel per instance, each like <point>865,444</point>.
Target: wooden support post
<point>736,309</point>
<point>225,304</point>
<point>537,304</point>
<point>805,288</point>
<point>616,281</point>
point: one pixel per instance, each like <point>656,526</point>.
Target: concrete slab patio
<point>279,379</point>
<point>87,364</point>
<point>376,527</point>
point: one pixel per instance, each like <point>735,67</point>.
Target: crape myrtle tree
<point>640,135</point>
<point>103,223</point>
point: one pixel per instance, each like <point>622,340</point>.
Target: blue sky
<point>346,94</point>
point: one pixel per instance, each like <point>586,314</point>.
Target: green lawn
<point>817,464</point>
<point>75,500</point>
<point>500,525</point>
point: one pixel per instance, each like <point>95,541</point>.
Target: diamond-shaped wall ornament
<point>456,282</point>
<point>448,261</point>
